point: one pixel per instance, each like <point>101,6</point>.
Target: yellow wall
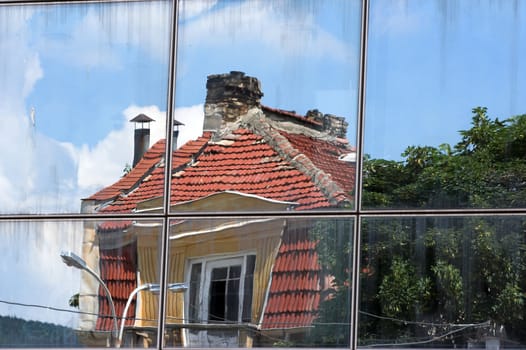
<point>197,238</point>
<point>200,238</point>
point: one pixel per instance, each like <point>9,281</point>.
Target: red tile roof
<point>243,162</point>
<point>325,155</point>
<point>118,268</point>
<point>294,294</point>
<point>152,185</point>
<point>255,160</point>
<point>292,114</point>
<point>150,159</point>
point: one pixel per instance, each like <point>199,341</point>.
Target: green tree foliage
<point>334,249</point>
<point>401,292</point>
<point>424,279</point>
<point>74,300</point>
<point>485,169</point>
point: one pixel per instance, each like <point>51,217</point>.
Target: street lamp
<point>151,287</point>
<point>73,260</point>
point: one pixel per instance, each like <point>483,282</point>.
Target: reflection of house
<point>257,272</point>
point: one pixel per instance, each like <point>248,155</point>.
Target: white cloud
<point>105,30</point>
<point>32,74</point>
<point>103,164</point>
<point>393,17</point>
<point>192,118</point>
<point>19,65</point>
<point>36,173</point>
<point>272,27</point>
<point>191,8</point>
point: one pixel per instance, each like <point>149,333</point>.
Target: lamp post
<point>152,287</point>
<point>73,260</point>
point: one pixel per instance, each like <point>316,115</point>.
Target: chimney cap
<point>142,118</point>
<point>177,123</point>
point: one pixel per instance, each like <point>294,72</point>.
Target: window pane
<point>194,292</point>
<point>293,285</point>
<point>234,272</point>
<point>454,282</point>
<point>219,274</point>
<point>46,303</point>
<point>248,288</point>
<point>72,76</point>
<point>446,106</point>
<point>266,103</point>
<point>232,299</point>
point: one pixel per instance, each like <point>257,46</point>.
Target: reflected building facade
<point>385,228</point>
<point>251,281</point>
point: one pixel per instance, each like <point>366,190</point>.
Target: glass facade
<point>249,173</point>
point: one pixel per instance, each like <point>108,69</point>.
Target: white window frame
<point>207,265</point>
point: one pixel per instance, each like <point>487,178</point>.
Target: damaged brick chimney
<point>231,95</point>
<point>332,124</point>
<point>228,97</point>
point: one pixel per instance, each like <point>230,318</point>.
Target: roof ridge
<point>322,180</point>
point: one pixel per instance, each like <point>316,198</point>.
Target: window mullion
<point>360,130</point>
<point>164,254</point>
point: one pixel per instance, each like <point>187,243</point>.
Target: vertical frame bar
<point>167,174</point>
<point>359,167</point>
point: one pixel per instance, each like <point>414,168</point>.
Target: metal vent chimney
<point>141,137</point>
<point>175,135</point>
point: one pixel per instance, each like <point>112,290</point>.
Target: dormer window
<point>220,293</point>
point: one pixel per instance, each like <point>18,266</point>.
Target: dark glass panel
<point>194,291</point>
<point>248,288</point>
<point>219,274</point>
<point>443,282</point>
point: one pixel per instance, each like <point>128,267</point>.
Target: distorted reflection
<point>443,282</point>
<point>281,125</point>
<point>39,294</point>
<point>445,114</point>
<point>118,298</point>
<point>261,282</point>
<point>74,75</point>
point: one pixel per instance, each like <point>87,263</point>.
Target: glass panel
<point>56,275</point>
<point>445,118</point>
<point>234,272</point>
<point>297,271</point>
<point>194,292</point>
<point>453,282</point>
<point>219,274</point>
<point>276,83</point>
<point>72,76</point>
<point>248,288</point>
<point>232,298</point>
